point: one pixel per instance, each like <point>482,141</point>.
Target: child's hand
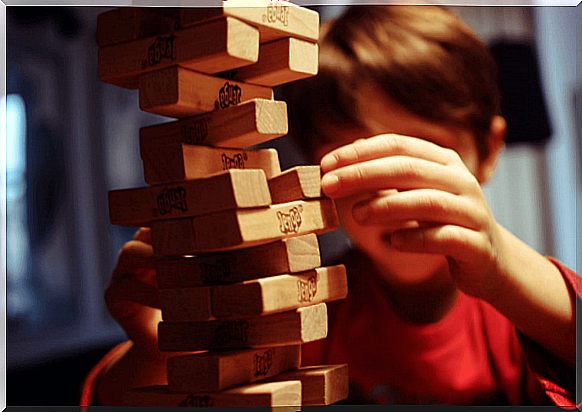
<point>133,299</point>
<point>437,200</point>
<point>430,202</point>
<point>132,296</point>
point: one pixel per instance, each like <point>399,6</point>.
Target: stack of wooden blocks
<point>237,257</point>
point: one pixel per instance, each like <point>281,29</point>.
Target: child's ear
<point>496,141</point>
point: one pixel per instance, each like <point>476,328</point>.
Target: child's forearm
<point>131,369</point>
<point>532,293</point>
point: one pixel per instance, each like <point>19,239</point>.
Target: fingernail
<point>330,184</point>
<point>361,213</point>
<point>328,162</point>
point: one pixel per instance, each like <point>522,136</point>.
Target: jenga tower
<point>237,257</point>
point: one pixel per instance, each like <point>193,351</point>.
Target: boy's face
<point>385,117</point>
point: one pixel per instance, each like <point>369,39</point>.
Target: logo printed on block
<point>228,95</point>
<point>235,162</point>
<point>197,402</point>
<point>216,273</point>
<point>263,363</point>
<point>232,331</point>
<point>195,133</point>
<point>290,222</point>
<point>171,198</point>
<point>161,48</point>
<point>277,13</point>
<point>307,289</point>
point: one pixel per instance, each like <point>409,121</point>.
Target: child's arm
<point>133,300</point>
<point>485,260</point>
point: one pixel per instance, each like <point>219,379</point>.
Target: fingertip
<point>328,162</point>
<point>330,184</point>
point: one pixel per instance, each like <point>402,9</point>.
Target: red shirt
<point>473,356</point>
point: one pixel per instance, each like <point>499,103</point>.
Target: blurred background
<point>71,139</point>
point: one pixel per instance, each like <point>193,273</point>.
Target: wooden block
<point>186,304</point>
<point>212,47</point>
<point>321,385</point>
<point>279,293</point>
<point>281,61</point>
<point>294,327</point>
<point>242,228</point>
<point>130,23</point>
<point>214,371</point>
<point>290,255</point>
<point>244,125</point>
<point>272,394</point>
<point>178,92</point>
<point>229,189</point>
<point>274,19</point>
<point>171,162</point>
<point>297,183</point>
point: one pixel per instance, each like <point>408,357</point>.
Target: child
<point>444,305</point>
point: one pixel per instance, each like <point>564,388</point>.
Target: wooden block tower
<point>237,258</point>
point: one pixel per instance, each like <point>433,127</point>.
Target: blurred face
<point>382,117</point>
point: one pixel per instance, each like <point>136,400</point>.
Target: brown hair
<point>422,57</point>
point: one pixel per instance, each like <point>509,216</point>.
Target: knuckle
<point>143,235</point>
<point>450,236</point>
<point>393,143</point>
<point>453,155</point>
<point>433,204</point>
<point>379,206</point>
<point>126,256</point>
<point>336,156</point>
<point>139,233</point>
<point>359,176</point>
<point>382,205</point>
<point>406,168</point>
<point>358,149</point>
<point>129,248</point>
<point>470,181</point>
<point>123,254</point>
<point>126,248</point>
<point>483,218</point>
